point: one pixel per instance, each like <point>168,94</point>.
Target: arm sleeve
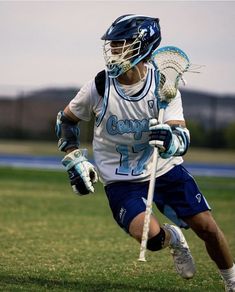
<point>174,110</point>
<point>84,102</point>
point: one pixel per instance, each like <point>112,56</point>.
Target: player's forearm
<point>180,123</point>
<point>67,131</point>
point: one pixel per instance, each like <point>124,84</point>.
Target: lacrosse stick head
<point>172,63</point>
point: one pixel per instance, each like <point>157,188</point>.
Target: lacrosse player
<point>124,101</point>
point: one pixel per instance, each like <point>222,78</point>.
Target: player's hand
<point>82,174</point>
<point>161,136</point>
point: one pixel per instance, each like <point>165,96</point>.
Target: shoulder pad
<point>100,82</point>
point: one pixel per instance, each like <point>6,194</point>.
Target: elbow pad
<point>182,136</point>
<point>67,131</point>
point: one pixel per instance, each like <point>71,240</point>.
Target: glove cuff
<point>74,157</point>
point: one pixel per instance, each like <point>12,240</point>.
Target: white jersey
<point>121,132</point>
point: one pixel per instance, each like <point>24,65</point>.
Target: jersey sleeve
<point>83,104</point>
<point>174,110</point>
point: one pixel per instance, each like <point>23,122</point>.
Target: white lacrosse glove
<point>82,174</point>
<point>161,136</point>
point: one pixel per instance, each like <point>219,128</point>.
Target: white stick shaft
<point>149,204</point>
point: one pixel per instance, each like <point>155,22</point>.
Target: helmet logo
<point>148,32</point>
<point>151,31</point>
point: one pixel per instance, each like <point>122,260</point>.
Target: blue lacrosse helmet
<point>130,39</point>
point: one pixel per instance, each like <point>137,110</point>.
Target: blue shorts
<point>176,195</point>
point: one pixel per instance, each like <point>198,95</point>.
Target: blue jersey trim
<point>105,101</point>
<point>143,92</point>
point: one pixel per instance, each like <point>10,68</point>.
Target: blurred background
<point>53,240</point>
<point>49,49</point>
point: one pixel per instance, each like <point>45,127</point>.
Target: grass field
<point>53,240</point>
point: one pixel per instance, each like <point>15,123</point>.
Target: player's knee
<point>156,243</point>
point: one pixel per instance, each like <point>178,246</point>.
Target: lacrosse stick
<point>172,63</point>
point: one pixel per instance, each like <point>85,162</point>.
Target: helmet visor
<point>118,54</point>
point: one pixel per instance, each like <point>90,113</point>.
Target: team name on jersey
<point>115,126</point>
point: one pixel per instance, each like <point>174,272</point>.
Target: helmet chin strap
<point>126,78</point>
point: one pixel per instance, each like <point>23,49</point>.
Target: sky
<point>57,43</point>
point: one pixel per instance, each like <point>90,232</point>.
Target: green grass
<point>53,240</point>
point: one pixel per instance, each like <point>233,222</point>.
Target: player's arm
<point>70,115</point>
<point>172,138</point>
<point>67,130</point>
<point>82,173</point>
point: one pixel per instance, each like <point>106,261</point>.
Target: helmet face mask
<point>130,39</point>
<point>118,55</point>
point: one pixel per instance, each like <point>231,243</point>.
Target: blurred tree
<point>197,133</point>
<point>229,134</point>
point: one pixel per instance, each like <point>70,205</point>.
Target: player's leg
<point>127,202</point>
<point>137,223</point>
<point>188,203</point>
<point>204,225</point>
<point>166,236</point>
<point>158,237</point>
